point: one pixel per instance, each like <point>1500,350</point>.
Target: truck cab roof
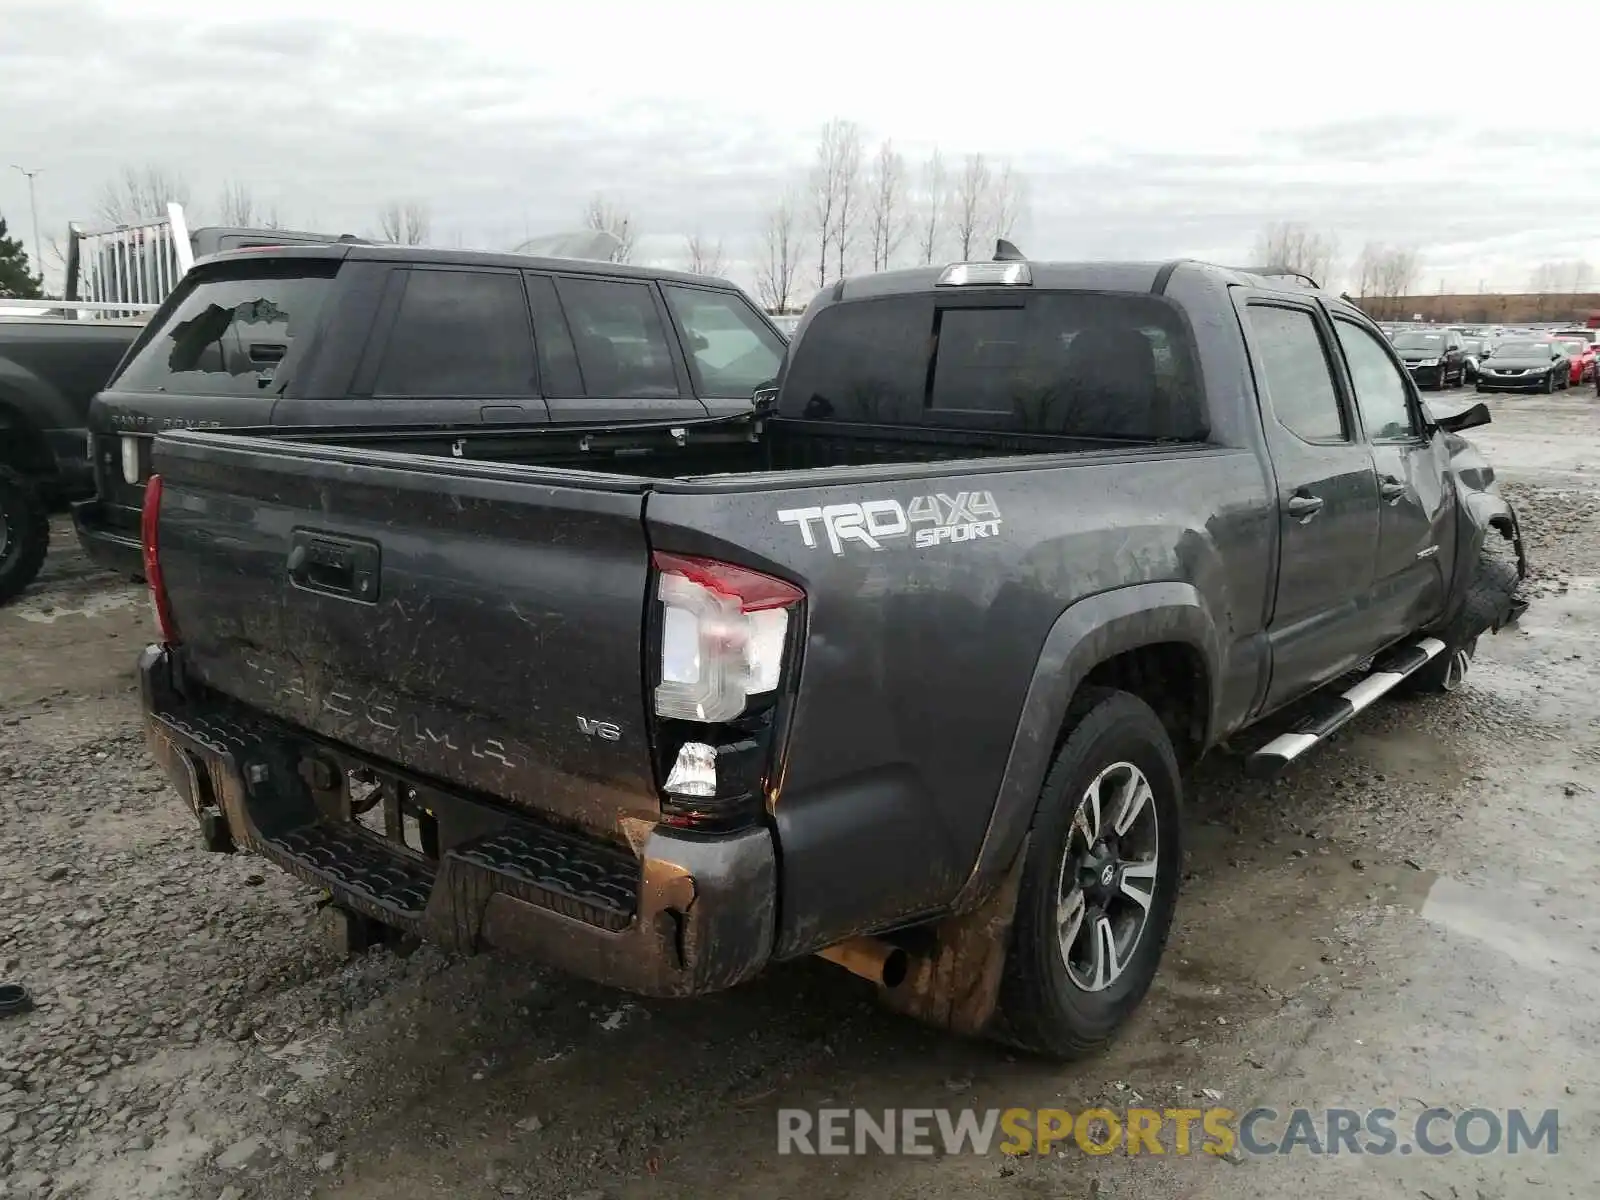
<point>1152,277</point>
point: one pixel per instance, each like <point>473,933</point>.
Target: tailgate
<point>475,623</point>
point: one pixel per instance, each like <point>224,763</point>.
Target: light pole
<point>33,208</point>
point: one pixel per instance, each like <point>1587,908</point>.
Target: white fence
<point>130,269</point>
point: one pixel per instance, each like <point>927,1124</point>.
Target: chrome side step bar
<point>1329,714</point>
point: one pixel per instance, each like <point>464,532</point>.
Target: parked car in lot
<point>1525,366</point>
<point>1474,349</point>
<point>1435,358</point>
<point>396,338</point>
<point>900,664</point>
<point>1581,354</point>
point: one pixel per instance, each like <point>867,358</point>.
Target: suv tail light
<point>723,634</point>
<point>150,543</point>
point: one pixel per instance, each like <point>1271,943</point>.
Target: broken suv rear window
<point>1075,364</point>
<point>231,332</point>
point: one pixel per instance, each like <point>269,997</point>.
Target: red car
<point>1583,355</point>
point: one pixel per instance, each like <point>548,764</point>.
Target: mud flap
<point>956,984</point>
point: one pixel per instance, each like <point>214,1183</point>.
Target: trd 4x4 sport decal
<point>926,521</point>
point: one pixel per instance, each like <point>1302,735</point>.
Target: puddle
<point>1490,919</point>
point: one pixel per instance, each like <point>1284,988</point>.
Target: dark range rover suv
<point>362,336</point>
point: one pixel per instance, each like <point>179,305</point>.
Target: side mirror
<point>1467,418</point>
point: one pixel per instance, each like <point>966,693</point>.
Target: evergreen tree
<point>17,282</point>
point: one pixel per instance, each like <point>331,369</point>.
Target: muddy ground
<point>1406,920</point>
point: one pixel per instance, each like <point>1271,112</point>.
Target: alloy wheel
<point>1108,877</point>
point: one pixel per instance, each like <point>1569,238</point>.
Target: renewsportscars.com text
<point>1254,1132</point>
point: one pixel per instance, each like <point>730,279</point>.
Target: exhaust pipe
<point>871,958</point>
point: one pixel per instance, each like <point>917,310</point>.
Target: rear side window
<point>459,333</point>
<point>622,347</point>
<point>732,351</point>
<point>1077,364</point>
<point>1294,368</point>
<point>231,334</point>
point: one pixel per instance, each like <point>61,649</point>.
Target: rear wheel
<point>1099,884</point>
<point>24,533</point>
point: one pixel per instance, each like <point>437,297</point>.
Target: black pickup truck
<point>50,367</point>
<point>903,666</point>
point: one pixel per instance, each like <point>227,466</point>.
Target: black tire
<point>24,533</point>
<point>1489,601</point>
<point>1043,1008</point>
<point>1550,384</point>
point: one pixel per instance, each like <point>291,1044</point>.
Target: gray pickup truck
<point>903,666</point>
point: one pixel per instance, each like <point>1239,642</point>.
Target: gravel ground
<point>197,1036</point>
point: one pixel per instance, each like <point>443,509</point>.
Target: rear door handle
<point>1391,489</point>
<point>1303,506</point>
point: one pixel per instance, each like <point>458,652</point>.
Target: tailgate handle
<point>335,566</point>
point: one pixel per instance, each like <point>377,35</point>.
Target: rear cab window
<point>237,329</point>
<point>1091,365</point>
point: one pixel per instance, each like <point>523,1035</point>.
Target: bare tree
<point>887,205</point>
<point>141,194</point>
<point>237,206</point>
<point>834,184</point>
<point>932,207</point>
<point>1008,200</point>
<point>610,218</point>
<point>971,202</point>
<point>705,257</point>
<point>1581,274</point>
<point>405,223</point>
<point>1546,277</point>
<point>1297,247</point>
<point>776,270</point>
<point>273,218</point>
<point>1366,269</point>
<point>848,213</point>
<point>1398,269</point>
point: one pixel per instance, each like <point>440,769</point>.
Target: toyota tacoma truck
<point>903,665</point>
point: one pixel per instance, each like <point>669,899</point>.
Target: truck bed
<point>716,448</point>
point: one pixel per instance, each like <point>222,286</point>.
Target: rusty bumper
<point>681,915</point>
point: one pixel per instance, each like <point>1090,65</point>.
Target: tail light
<point>724,635</point>
<point>150,544</point>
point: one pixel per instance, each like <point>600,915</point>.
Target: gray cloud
<point>328,122</point>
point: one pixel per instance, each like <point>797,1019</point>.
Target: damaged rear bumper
<point>683,915</point>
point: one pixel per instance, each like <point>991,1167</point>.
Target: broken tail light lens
<point>150,545</point>
<point>724,630</point>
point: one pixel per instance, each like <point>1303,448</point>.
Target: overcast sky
<point>1146,130</point>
